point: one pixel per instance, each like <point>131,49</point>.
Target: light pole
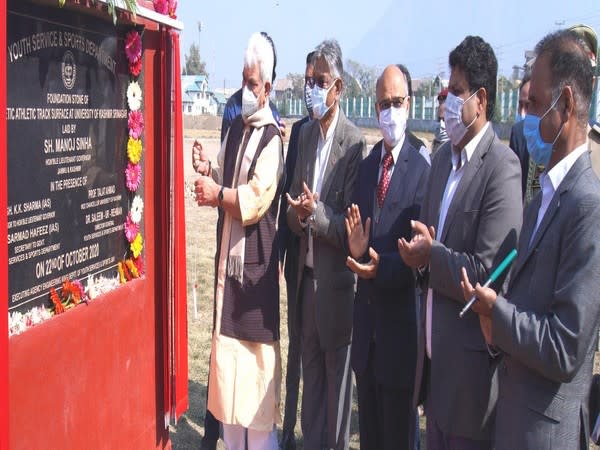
<point>199,31</point>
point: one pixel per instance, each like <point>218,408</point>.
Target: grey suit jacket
<point>334,281</point>
<point>547,324</point>
<point>481,227</point>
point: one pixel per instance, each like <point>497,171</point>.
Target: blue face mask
<point>539,150</point>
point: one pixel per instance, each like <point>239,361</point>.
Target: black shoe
<point>288,440</point>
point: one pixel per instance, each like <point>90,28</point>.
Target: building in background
<point>198,99</point>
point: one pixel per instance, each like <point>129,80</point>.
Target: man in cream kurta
<point>245,372</point>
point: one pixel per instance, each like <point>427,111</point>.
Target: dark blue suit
<point>384,343</point>
<point>518,144</point>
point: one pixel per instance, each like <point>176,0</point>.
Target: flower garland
<point>133,267</point>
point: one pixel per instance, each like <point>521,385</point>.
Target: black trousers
<point>386,417</point>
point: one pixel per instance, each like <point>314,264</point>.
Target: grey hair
<point>331,52</point>
<point>570,66</point>
<point>259,51</point>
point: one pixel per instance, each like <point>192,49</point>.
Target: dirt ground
<point>200,239</point>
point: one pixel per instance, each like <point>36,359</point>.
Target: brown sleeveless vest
<point>251,309</point>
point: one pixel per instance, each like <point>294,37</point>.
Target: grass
<point>200,234</point>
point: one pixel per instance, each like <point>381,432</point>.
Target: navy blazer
<point>385,307</point>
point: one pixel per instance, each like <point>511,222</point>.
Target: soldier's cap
<point>588,35</point>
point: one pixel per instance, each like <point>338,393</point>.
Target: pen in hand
<point>493,277</point>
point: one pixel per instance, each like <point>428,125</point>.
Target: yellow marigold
<point>137,245</point>
<point>134,150</point>
<point>122,278</point>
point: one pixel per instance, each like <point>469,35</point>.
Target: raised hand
<point>358,235</point>
<point>366,271</point>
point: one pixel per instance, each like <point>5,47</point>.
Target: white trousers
<point>235,438</point>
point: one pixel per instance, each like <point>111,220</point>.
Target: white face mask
<point>319,100</point>
<point>455,127</point>
<point>392,123</point>
<point>249,102</point>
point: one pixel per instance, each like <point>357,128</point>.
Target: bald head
<point>392,105</point>
<point>391,89</point>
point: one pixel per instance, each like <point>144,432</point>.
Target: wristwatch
<point>220,198</point>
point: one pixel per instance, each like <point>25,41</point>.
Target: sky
<point>419,34</point>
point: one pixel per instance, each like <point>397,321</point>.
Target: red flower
<point>55,299</point>
<point>132,268</point>
<point>135,68</point>
<point>139,264</point>
<point>71,292</point>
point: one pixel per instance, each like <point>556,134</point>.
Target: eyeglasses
<point>321,82</point>
<point>396,102</point>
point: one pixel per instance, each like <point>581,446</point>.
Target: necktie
<point>384,179</point>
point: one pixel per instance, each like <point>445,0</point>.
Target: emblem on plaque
<point>68,69</point>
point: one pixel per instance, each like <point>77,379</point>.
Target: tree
<point>360,79</point>
<point>425,88</point>
<point>297,84</point>
<point>193,64</point>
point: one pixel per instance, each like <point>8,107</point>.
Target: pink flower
<point>133,176</point>
<point>131,229</point>
<point>78,285</point>
<point>133,46</point>
<point>172,9</point>
<point>135,122</point>
<point>161,6</point>
<point>135,68</point>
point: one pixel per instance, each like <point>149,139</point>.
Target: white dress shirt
<point>322,157</point>
<point>454,178</point>
<point>395,155</point>
<point>549,181</point>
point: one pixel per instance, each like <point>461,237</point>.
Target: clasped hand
<point>200,161</point>
<point>305,204</point>
<point>207,191</point>
<point>417,252</point>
